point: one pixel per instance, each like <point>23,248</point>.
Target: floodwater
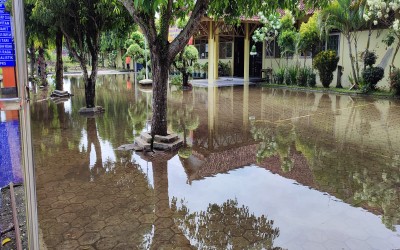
<point>261,169</point>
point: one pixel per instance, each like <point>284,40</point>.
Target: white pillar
<point>246,53</point>
<point>211,52</point>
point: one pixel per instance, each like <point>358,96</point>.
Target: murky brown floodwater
<point>261,169</point>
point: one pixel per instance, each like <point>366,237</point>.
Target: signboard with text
<point>7,52</point>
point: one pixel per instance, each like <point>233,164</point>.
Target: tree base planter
<point>60,94</point>
<point>163,143</point>
<point>146,82</point>
<point>187,87</point>
<point>92,111</point>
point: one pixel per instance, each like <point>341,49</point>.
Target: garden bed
<point>341,91</point>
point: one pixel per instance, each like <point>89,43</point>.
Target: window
<point>333,42</point>
<point>272,49</point>
<point>225,50</point>
<point>202,48</point>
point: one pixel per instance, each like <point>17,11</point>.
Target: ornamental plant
<point>371,75</point>
<point>326,63</point>
<point>394,81</point>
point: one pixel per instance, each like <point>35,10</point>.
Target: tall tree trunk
<point>32,59</point>
<point>394,55</point>
<point>160,65</point>
<point>352,60</point>
<point>368,42</point>
<point>90,82</point>
<point>59,60</point>
<point>42,67</point>
<point>185,79</point>
<point>356,55</point>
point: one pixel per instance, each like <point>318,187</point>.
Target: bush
<point>142,74</point>
<point>311,80</point>
<point>279,76</point>
<point>224,69</point>
<point>292,75</point>
<point>394,81</point>
<point>369,58</point>
<point>289,76</point>
<point>371,76</point>
<point>302,76</point>
<point>326,63</point>
<point>176,80</point>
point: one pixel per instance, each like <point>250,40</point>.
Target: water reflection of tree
<point>275,139</point>
<point>381,191</point>
<point>182,120</point>
<point>138,116</point>
<point>337,169</point>
<point>225,226</point>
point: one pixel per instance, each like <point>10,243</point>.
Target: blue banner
<point>7,51</point>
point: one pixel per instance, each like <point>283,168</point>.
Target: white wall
<point>376,45</point>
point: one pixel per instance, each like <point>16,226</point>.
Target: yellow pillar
<point>211,59</point>
<point>246,53</point>
<point>212,113</point>
<point>246,106</point>
<point>216,52</point>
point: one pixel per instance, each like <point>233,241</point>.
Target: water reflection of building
<point>333,147</point>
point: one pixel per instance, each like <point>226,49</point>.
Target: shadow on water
<point>260,168</point>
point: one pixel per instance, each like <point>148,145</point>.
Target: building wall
<point>384,57</point>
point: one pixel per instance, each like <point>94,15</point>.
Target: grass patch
<point>378,93</point>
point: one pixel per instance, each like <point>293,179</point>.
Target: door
<point>239,57</point>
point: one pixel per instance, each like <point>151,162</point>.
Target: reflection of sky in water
<point>67,87</point>
<point>303,215</point>
<point>107,151</point>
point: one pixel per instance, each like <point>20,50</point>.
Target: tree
<point>82,23</point>
<point>184,62</point>
<point>43,22</point>
<point>309,37</point>
<point>388,13</point>
<point>135,47</point>
<point>162,52</point>
<point>228,217</point>
<point>346,16</point>
<point>326,63</point>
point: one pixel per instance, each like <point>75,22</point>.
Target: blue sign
<point>7,51</point>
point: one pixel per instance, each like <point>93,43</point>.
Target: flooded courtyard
<point>260,168</point>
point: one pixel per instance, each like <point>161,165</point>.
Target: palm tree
<point>346,16</point>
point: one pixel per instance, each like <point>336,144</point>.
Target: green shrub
<point>302,76</point>
<point>394,81</point>
<point>326,63</point>
<point>311,80</point>
<point>371,76</point>
<point>369,58</point>
<point>224,69</point>
<point>177,80</point>
<point>142,74</point>
<point>279,76</point>
<point>293,73</point>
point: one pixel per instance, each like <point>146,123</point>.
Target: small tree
<point>326,63</point>
<point>135,48</point>
<point>371,75</point>
<point>184,62</point>
<point>308,36</point>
